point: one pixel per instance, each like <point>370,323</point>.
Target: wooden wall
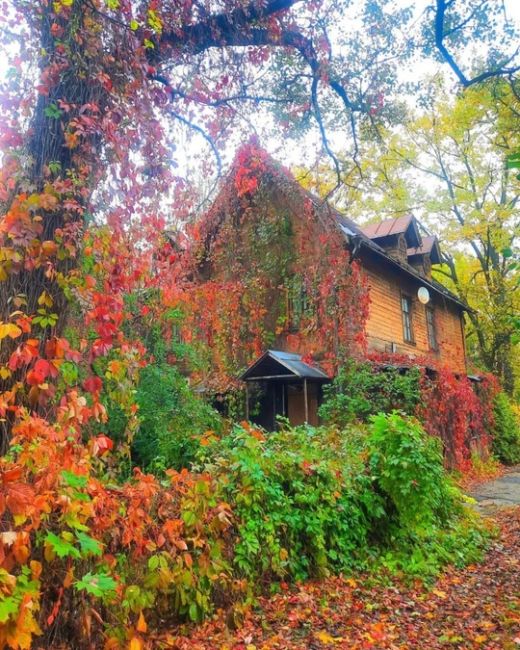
<point>385,321</point>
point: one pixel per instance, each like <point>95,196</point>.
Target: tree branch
<point>499,71</point>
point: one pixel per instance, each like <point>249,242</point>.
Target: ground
<point>477,607</point>
<point>502,492</point>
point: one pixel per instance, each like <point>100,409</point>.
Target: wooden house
<point>266,231</point>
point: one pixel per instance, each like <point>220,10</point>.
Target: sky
<point>191,151</point>
<point>305,151</point>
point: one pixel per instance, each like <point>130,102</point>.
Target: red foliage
<point>453,410</point>
<point>262,242</point>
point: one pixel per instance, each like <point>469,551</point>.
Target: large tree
<point>96,88</point>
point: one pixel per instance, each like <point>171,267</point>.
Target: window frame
<point>407,318</point>
<point>431,328</point>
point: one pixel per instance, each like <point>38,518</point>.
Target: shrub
<point>506,431</point>
<point>309,501</point>
<point>362,389</point>
<point>301,500</point>
<point>75,542</point>
<point>425,523</point>
<point>406,465</point>
<point>172,419</point>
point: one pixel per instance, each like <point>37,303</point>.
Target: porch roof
<point>276,364</point>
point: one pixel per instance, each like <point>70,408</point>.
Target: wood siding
<point>385,322</point>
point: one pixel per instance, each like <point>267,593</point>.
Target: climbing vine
<point>269,267</point>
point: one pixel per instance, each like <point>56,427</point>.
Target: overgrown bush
<point>81,550</point>
<point>407,467</point>
<point>425,524</point>
<point>506,431</point>
<point>301,499</point>
<point>172,419</point>
<point>362,389</point>
<point>311,501</point>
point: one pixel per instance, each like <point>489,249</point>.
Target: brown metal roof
<point>430,245</point>
<point>387,227</point>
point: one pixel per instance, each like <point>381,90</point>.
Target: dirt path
<point>503,492</point>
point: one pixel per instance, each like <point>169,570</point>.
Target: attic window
<point>406,308</point>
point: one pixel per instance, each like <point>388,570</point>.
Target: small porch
<point>281,384</point>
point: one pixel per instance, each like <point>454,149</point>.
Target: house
<point>288,287</point>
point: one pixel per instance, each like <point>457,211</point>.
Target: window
<point>297,304</point>
<point>430,324</point>
<point>406,307</point>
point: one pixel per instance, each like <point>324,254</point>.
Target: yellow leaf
<point>45,299</point>
<point>136,643</point>
<point>4,372</point>
<point>324,637</point>
<point>9,329</point>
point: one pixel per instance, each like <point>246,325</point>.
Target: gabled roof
<point>406,225</point>
<point>430,246</point>
<point>355,236</point>
<point>276,363</point>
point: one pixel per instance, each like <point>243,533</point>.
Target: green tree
<point>446,165</point>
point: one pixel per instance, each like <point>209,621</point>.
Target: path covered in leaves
<point>477,607</point>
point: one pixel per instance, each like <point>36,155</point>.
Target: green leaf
<point>513,160</point>
<point>194,612</point>
<point>69,372</point>
<point>61,547</point>
<point>507,252</point>
<point>74,480</point>
<point>148,44</point>
<point>55,166</point>
<point>97,584</point>
<point>134,25</point>
<point>88,544</point>
<point>8,606</point>
<point>52,111</point>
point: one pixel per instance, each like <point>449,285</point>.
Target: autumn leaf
<point>18,497</point>
<point>9,329</point>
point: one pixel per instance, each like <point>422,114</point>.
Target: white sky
<point>305,151</point>
<point>191,151</point>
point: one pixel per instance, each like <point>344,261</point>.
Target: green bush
<point>307,502</point>
<point>362,389</point>
<point>506,431</point>
<point>426,524</point>
<point>172,420</point>
<point>301,500</point>
<point>406,465</point>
